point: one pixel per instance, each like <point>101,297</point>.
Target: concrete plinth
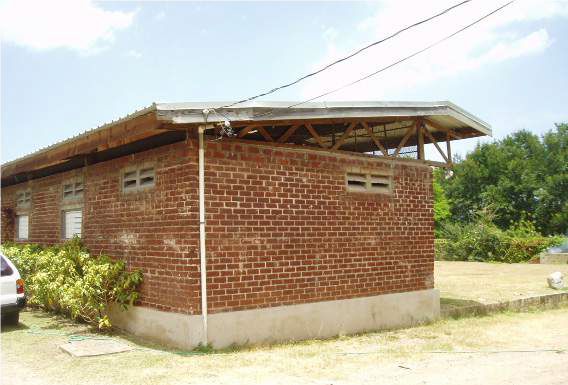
<point>554,259</point>
<point>284,323</point>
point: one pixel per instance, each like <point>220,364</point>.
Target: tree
<point>520,177</point>
<point>441,204</point>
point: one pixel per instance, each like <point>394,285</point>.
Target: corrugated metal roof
<point>192,112</point>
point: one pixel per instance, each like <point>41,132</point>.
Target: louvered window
<point>22,223</point>
<point>72,223</point>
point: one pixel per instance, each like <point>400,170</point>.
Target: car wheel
<point>12,318</point>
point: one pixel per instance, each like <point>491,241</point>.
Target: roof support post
<point>203,261</point>
<point>420,136</point>
<point>448,148</point>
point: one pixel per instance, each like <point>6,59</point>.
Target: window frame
<point>18,233</point>
<point>63,221</point>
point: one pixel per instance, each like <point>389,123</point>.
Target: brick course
<point>281,227</point>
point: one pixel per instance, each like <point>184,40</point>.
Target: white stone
<point>556,280</point>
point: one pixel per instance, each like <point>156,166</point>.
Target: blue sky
<point>70,66</point>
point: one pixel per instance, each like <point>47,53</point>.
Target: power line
<point>407,57</point>
<point>398,61</point>
<point>348,56</point>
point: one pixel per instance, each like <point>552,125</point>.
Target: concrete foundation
<point>554,259</point>
<point>283,323</point>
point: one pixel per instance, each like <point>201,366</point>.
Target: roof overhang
<point>362,123</point>
<point>444,113</point>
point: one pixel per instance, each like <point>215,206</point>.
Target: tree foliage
<point>441,204</point>
<point>522,177</point>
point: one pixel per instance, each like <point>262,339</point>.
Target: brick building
<point>317,219</point>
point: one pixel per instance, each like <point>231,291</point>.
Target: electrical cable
<point>348,56</point>
<point>407,57</point>
<point>397,62</point>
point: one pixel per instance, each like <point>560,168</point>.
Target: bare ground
<point>493,282</point>
<point>510,348</point>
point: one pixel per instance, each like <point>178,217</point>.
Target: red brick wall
<point>281,227</point>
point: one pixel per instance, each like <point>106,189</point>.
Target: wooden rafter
<point>375,139</point>
<point>315,135</point>
<point>345,135</point>
<point>427,132</point>
<point>409,132</point>
<point>246,130</point>
<point>265,134</point>
<point>138,128</point>
<point>288,133</point>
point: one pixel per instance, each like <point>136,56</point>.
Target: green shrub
<point>66,279</point>
<point>440,246</point>
<point>483,241</point>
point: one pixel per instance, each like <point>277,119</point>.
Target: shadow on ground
<point>7,328</point>
<point>454,303</point>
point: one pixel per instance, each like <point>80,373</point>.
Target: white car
<point>12,292</point>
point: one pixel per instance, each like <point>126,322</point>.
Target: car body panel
<point>10,299</point>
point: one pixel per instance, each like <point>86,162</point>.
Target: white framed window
<point>24,198</point>
<point>22,226</point>
<point>368,182</point>
<point>138,179</point>
<point>73,190</point>
<point>72,223</point>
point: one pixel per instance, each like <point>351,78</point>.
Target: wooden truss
<point>421,131</point>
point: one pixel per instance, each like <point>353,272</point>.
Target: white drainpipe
<point>201,132</point>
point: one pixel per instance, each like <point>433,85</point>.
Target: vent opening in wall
<point>142,178</point>
<point>372,183</point>
<point>73,190</point>
<point>380,183</point>
<point>23,198</point>
<point>356,182</point>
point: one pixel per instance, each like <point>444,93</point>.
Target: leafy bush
<point>66,279</point>
<point>483,241</point>
<point>440,249</point>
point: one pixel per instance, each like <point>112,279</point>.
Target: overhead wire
<point>348,56</point>
<point>396,62</point>
<point>406,57</point>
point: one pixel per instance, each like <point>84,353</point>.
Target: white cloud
<point>78,25</point>
<point>160,16</point>
<point>503,36</point>
<point>133,53</point>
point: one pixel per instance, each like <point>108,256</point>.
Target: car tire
<point>12,318</point>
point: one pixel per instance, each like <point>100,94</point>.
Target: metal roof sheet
<point>444,112</point>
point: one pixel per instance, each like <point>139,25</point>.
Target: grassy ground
<point>492,282</point>
<point>30,353</point>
